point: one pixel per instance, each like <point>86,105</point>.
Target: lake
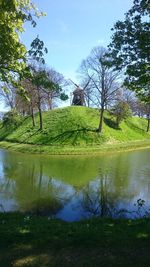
<point>76,187</point>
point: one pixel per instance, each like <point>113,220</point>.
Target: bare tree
<point>104,82</point>
<point>88,91</point>
<point>8,95</point>
<point>142,109</point>
<point>138,107</point>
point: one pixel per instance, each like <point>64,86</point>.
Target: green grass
<point>74,129</point>
<point>76,150</point>
<point>40,242</point>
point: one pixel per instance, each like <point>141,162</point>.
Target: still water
<point>76,187</point>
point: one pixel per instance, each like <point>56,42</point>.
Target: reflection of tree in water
<point>7,188</point>
<point>103,196</point>
<point>49,196</point>
<point>96,198</point>
<point>34,192</point>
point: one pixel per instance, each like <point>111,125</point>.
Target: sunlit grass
<point>74,129</point>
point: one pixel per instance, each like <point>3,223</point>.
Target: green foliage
<point>37,50</point>
<point>11,119</point>
<point>121,111</point>
<point>130,48</point>
<point>40,79</point>
<point>13,15</point>
<point>64,97</point>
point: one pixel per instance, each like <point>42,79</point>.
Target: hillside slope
<point>75,126</point>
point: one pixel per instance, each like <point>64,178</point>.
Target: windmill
<point>79,94</point>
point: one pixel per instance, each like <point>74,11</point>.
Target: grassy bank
<point>40,242</point>
<point>69,150</point>
<point>72,130</point>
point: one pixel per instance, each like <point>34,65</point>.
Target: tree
<point>121,111</point>
<point>8,95</point>
<point>13,15</point>
<point>103,81</point>
<point>147,112</point>
<point>55,90</point>
<point>130,48</point>
<point>11,119</point>
<point>40,81</point>
<point>88,91</point>
<point>27,106</point>
<point>46,88</point>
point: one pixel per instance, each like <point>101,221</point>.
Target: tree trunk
<point>117,121</point>
<point>32,116</point>
<point>39,108</point>
<point>50,103</point>
<point>101,120</point>
<point>88,102</point>
<point>41,120</point>
<point>102,101</point>
<point>148,124</point>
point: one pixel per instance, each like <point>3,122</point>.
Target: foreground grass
<point>40,242</point>
<point>72,130</point>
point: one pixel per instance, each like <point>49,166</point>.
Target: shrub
<point>121,111</point>
<point>11,119</point>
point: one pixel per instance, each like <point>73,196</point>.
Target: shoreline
<point>76,150</point>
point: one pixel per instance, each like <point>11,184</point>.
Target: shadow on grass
<point>39,242</point>
<point>135,127</point>
<point>6,130</point>
<point>111,124</point>
<point>70,137</point>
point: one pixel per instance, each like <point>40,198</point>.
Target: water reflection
<point>98,199</point>
<point>76,187</point>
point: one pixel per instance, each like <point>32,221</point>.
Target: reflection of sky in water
<point>77,188</point>
<point>7,204</point>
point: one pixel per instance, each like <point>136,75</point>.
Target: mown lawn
<point>75,126</point>
<point>41,242</point>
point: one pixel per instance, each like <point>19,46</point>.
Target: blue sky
<point>73,27</point>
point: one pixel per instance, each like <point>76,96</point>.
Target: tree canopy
<point>130,48</point>
<point>13,15</point>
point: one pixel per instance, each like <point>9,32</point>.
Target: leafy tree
<point>11,119</point>
<point>45,89</point>
<point>55,90</point>
<point>40,81</point>
<point>13,15</point>
<point>27,105</point>
<point>130,48</point>
<point>121,111</point>
<point>38,50</point>
<point>103,81</point>
<point>41,89</point>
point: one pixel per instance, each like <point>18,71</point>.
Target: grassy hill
<point>75,126</point>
